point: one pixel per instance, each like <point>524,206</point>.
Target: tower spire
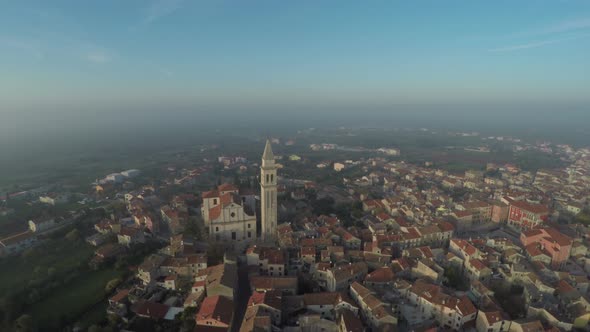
<point>268,155</point>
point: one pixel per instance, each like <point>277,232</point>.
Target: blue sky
<point>77,53</point>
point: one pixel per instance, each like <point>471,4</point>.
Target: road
<point>241,298</point>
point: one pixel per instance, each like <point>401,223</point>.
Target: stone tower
<point>268,195</point>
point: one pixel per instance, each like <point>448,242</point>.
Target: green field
<point>60,254</point>
<point>71,300</point>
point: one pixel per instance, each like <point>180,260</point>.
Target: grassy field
<point>61,255</point>
<point>71,300</point>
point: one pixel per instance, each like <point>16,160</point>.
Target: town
<point>287,242</point>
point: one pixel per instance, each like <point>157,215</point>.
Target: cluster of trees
<point>583,217</point>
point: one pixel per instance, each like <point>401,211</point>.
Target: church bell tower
<point>268,195</point>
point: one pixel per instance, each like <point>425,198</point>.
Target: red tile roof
<point>152,310</point>
<point>120,296</point>
<point>216,307</point>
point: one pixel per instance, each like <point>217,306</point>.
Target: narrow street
<point>242,295</point>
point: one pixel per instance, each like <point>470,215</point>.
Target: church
<point>230,216</point>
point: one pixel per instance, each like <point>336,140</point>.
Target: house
<point>118,303</point>
<point>108,252</point>
<point>287,285</point>
<point>151,310</point>
<point>149,270</point>
<point>54,198</point>
<point>477,270</point>
<point>449,311</point>
<point>41,225</point>
<point>323,304</point>
<point>130,235</point>
<point>170,282</point>
<point>492,321</point>
<point>270,302</point>
<point>308,255</point>
<point>381,278</point>
<point>215,311</point>
<point>555,245</point>
<point>339,167</point>
<point>349,322</point>
<point>256,320</point>
<point>219,279</point>
<point>340,277</point>
<point>375,312</point>
<point>523,215</point>
<point>271,261</point>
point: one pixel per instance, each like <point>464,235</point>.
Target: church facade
<point>230,216</point>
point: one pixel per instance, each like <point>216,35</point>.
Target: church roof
<point>268,155</point>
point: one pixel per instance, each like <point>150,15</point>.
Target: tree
<point>187,319</point>
<point>112,284</point>
<point>30,252</point>
<point>73,235</point>
<point>323,206</point>
<point>24,323</point>
<point>94,328</point>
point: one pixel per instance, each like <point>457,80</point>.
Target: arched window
<point>272,176</point>
<point>267,178</point>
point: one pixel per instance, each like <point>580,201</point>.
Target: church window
<point>233,214</point>
<point>272,176</point>
<point>267,178</point>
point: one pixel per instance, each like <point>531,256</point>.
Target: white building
<point>389,151</point>
<point>229,216</point>
<point>41,225</point>
<point>114,177</point>
<point>339,167</point>
<point>131,173</point>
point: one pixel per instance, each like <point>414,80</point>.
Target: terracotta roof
<point>534,250</point>
<point>151,309</point>
<point>216,307</point>
<point>227,187</point>
<point>533,208</point>
<point>129,231</point>
<point>351,322</point>
<point>477,264</point>
<point>466,307</point>
<point>211,194</point>
<point>361,290</point>
<point>270,283</point>
<point>272,298</point>
<point>307,251</point>
<point>325,298</point>
<point>273,255</point>
<point>560,238</point>
<point>215,212</point>
<point>120,296</point>
<point>255,319</point>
